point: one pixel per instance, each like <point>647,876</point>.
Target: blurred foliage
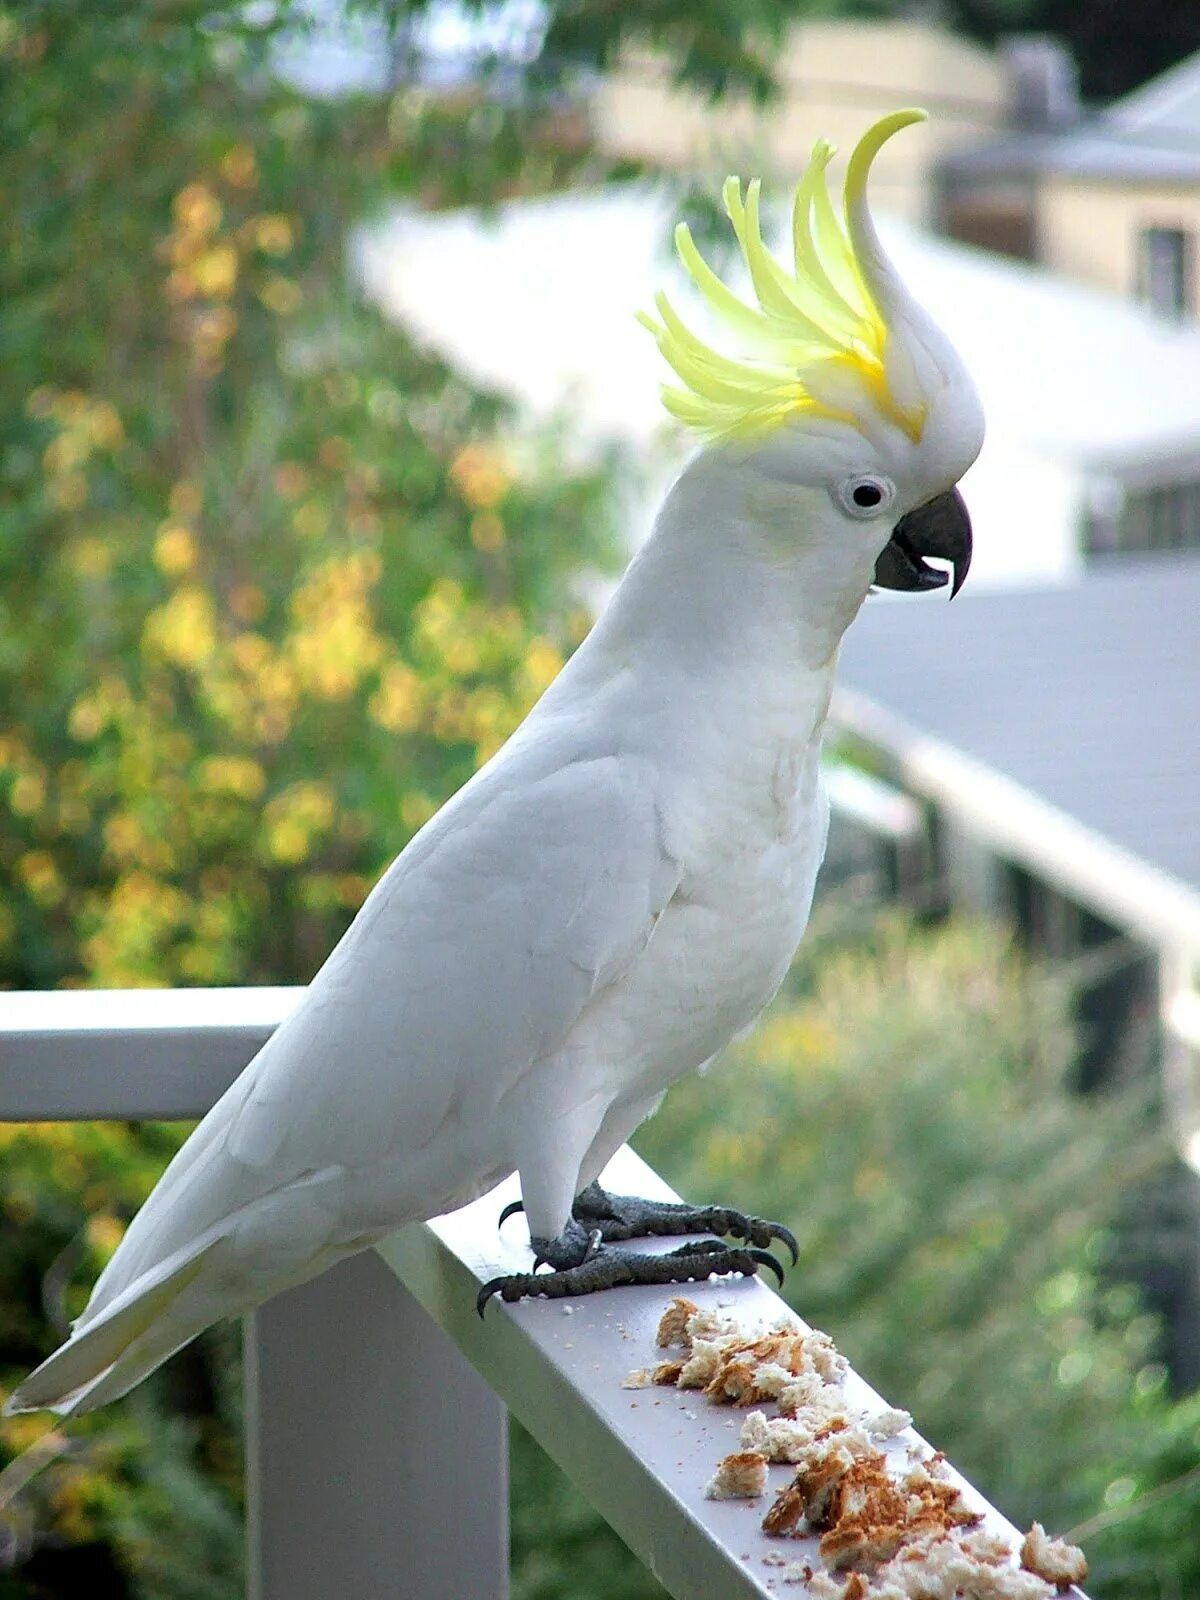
<point>272,584</point>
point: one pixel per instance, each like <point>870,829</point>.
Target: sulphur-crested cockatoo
<point>621,888</point>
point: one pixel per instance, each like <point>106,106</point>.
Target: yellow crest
<point>811,327</point>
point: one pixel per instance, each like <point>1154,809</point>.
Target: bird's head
<point>842,390</point>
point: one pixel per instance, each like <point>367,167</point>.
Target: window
<point>1164,270</point>
<point>1154,517</point>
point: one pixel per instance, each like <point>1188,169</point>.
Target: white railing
<point>377,1399</point>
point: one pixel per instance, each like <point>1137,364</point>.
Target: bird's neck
<point>739,576</point>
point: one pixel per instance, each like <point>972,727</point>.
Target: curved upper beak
<point>941,528</point>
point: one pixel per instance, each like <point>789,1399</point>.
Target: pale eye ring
<point>866,495</point>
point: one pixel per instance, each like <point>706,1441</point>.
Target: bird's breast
<point>721,947</point>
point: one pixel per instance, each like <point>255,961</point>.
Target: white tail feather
<point>68,1380</point>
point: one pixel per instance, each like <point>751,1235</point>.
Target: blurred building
<point>1111,199</point>
<point>834,77</point>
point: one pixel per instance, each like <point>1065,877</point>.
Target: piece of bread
<point>740,1476</point>
<point>1053,1559</point>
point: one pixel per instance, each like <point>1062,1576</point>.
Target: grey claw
<point>766,1259</point>
<point>493,1286</point>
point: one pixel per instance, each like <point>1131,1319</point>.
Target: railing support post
<point>376,1458</point>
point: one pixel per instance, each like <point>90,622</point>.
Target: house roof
<point>1083,697</point>
<point>1151,135</point>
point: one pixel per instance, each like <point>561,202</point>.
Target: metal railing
<point>377,1400</point>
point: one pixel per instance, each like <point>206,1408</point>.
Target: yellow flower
<point>175,550</point>
<point>104,425</point>
<point>233,775</point>
<point>71,448</point>
<point>27,794</point>
<point>287,841</point>
<point>396,704</point>
<point>216,271</point>
<point>87,718</point>
<point>184,630</point>
<point>38,871</point>
<point>481,474</point>
<point>274,234</point>
<point>105,1232</point>
<point>542,664</point>
<point>197,210</point>
<point>295,819</point>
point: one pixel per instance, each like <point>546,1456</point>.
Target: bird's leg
<point>582,1263</point>
<point>623,1216</point>
<point>586,1256</point>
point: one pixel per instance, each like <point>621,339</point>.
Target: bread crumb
<point>771,1379</point>
<point>806,1390</point>
<point>824,1587</point>
<point>942,1566</point>
<point>987,1545</point>
<point>1053,1559</point>
<point>783,1438</point>
<point>672,1328</point>
<point>824,1356</point>
<point>639,1378</point>
<point>741,1476</point>
<point>668,1372</point>
<point>710,1325</point>
<point>701,1366</point>
<point>888,1423</point>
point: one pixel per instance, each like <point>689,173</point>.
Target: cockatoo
<point>620,889</point>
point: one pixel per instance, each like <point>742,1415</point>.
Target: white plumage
<point>598,911</point>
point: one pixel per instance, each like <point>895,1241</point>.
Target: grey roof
<point>1095,150</point>
<point>1152,134</point>
<point>1087,695</point>
<point>1167,108</point>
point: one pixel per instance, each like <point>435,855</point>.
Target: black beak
<point>941,528</point>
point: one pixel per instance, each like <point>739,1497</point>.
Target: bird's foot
<point>615,1217</point>
<point>624,1216</point>
<point>582,1263</point>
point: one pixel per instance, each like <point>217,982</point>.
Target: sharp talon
<point>493,1286</point>
<point>787,1237</point>
<point>510,1210</point>
<point>595,1240</point>
<point>766,1259</point>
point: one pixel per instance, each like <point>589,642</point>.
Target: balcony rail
<point>377,1400</point>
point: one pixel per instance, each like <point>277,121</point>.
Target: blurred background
<point>325,427</point>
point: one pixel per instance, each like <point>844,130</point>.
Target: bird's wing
<point>473,956</point>
<point>468,964</point>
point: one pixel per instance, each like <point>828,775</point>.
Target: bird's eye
<point>866,495</point>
